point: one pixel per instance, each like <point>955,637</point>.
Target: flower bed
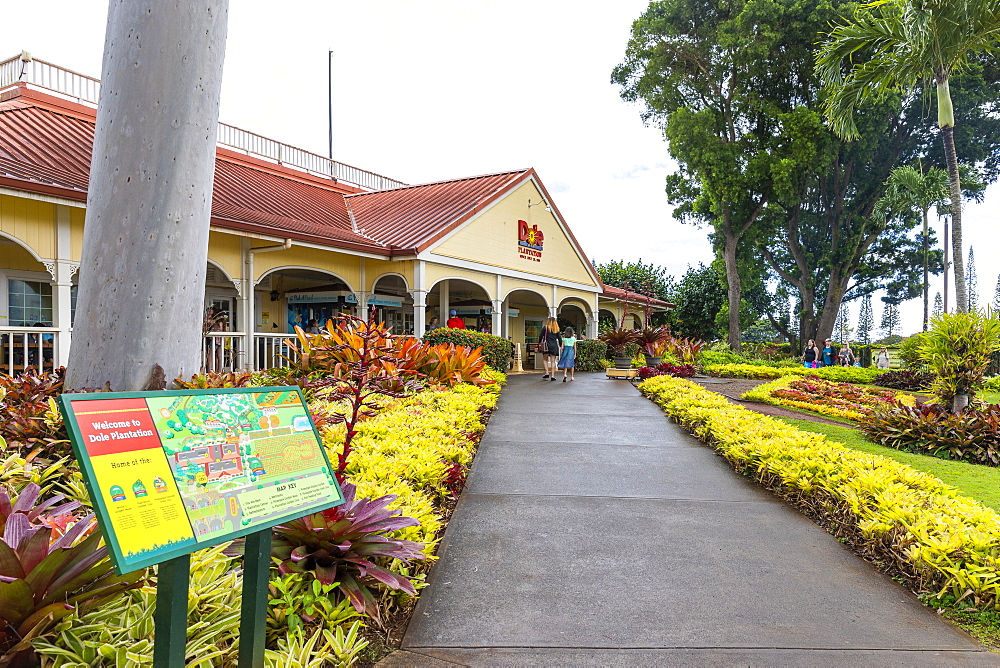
<point>910,523</point>
<point>842,400</point>
<point>843,374</point>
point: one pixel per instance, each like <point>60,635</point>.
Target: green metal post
<point>170,618</point>
<point>253,614</point>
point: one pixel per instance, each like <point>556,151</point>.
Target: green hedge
<point>589,355</point>
<point>497,350</point>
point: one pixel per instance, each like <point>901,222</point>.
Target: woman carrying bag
<point>550,345</point>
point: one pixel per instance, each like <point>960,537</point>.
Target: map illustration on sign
<point>172,472</point>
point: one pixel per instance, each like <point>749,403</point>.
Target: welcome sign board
<point>173,472</point>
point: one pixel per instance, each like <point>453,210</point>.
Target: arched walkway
<point>527,312</point>
<point>393,303</point>
<point>471,302</point>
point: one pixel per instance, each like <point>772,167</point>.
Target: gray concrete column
<point>419,312</point>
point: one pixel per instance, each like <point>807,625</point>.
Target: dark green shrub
<point>589,355</point>
<point>498,351</point>
<point>904,379</point>
<point>909,351</point>
<point>710,357</point>
<point>971,436</point>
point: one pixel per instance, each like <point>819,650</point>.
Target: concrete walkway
<point>594,532</point>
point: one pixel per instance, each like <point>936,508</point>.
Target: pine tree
<point>841,327</point>
<point>866,321</point>
<point>939,305</point>
<point>996,297</point>
<point>972,281</point>
<point>890,320</point>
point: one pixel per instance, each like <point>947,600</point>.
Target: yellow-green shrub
<point>911,522</point>
<point>409,447</point>
<point>841,374</point>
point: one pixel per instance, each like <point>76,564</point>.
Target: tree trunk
<point>926,273</point>
<point>734,290</point>
<point>961,293</point>
<point>142,276</point>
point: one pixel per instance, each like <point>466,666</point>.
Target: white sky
<point>437,89</point>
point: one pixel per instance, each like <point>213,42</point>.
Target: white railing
<point>223,352</point>
<point>86,89</point>
<point>272,351</point>
<point>24,348</point>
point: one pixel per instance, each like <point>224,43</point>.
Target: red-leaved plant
<point>340,545</point>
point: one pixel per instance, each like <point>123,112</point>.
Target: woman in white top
<point>882,361</point>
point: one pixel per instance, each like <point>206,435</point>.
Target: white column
<point>498,317</point>
<point>499,312</point>
<point>245,304</point>
<point>362,307</point>
<point>419,312</point>
<point>554,309</point>
<point>62,273</point>
<point>592,321</point>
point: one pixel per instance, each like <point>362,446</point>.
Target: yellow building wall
<point>543,290</point>
<point>437,272</point>
<point>492,239</point>
<point>345,266</point>
<point>16,258</point>
<point>376,268</point>
<point>225,251</point>
<point>584,300</point>
<point>76,218</point>
<point>31,222</point>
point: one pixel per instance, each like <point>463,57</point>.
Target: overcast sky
<point>431,90</point>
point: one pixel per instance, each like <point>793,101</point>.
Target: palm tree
<point>908,42</point>
<point>915,188</point>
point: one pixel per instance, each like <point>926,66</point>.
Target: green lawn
<point>981,483</point>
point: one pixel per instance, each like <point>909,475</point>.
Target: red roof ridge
<point>442,182</point>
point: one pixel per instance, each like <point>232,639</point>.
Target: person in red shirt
<point>454,321</point>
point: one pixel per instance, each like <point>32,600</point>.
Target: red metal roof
<point>46,144</point>
<point>618,294</point>
<point>416,216</point>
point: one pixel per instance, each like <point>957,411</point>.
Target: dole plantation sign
<point>529,241</point>
<point>173,472</point>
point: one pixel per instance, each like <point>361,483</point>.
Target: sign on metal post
<point>174,472</point>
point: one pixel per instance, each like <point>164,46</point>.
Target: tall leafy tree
<point>910,42</point>
<point>697,299</point>
<point>996,297</point>
<point>842,326</point>
<point>705,72</point>
<point>866,320</point>
<point>972,281</point>
<point>938,305</point>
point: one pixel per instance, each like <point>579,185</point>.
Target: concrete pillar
<point>553,311</point>
<point>498,317</point>
<point>592,321</point>
<point>361,310</point>
<point>245,304</point>
<point>62,271</point>
<point>419,312</point>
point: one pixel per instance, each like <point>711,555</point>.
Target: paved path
<point>595,532</point>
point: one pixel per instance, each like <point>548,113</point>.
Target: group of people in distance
<point>558,350</point>
<point>454,322</point>
<point>814,357</point>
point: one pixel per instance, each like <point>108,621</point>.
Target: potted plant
<point>618,340</point>
<point>650,339</point>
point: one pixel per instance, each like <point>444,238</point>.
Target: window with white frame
<point>28,303</point>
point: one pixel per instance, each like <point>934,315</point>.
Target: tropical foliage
<point>972,435</point>
<point>910,523</point>
<point>842,400</point>
<point>958,349</point>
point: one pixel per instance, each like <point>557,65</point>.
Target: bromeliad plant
<point>49,567</point>
<point>958,348</point>
<point>341,545</point>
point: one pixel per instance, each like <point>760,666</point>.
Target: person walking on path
<point>829,353</point>
<point>882,360</point>
<point>846,355</point>
<point>810,356</point>
<point>550,345</point>
<point>454,321</point>
<point>567,358</point>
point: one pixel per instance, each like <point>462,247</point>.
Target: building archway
<point>288,296</point>
<point>606,319</point>
<point>526,312</point>
<point>28,301</point>
<point>470,300</point>
<point>392,302</point>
